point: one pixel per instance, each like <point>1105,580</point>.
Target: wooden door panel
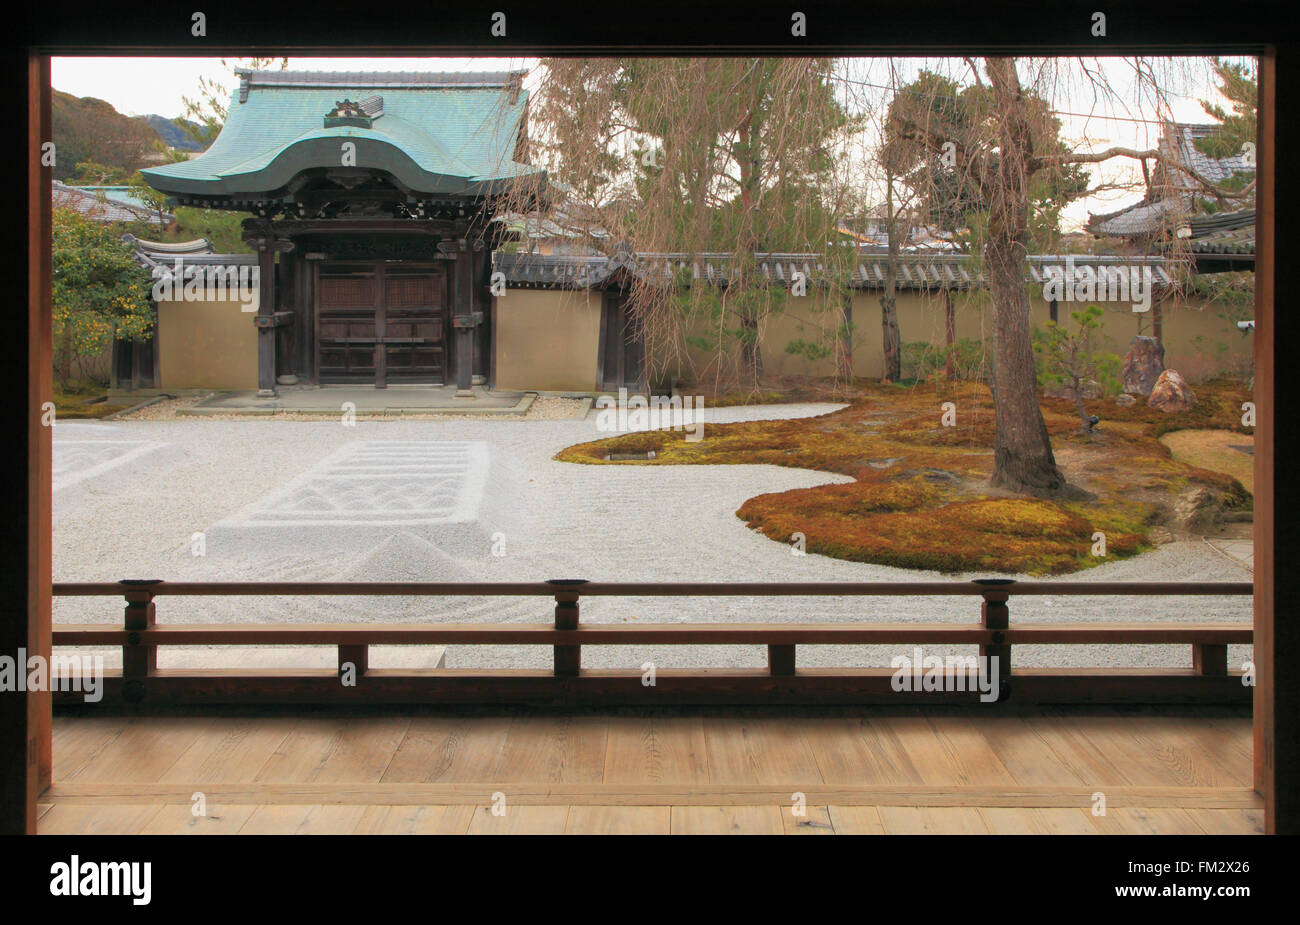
<point>415,325</point>
<point>624,348</point>
<point>347,317</point>
<point>406,330</point>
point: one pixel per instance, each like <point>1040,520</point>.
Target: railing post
<point>781,660</point>
<point>568,659</point>
<point>139,660</point>
<point>996,615</point>
<point>1210,659</point>
<point>356,656</point>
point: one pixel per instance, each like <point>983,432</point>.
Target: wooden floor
<point>872,773</point>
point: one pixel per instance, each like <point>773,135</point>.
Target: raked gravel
<point>131,494</point>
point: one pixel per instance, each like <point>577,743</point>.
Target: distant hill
<point>172,134</point>
<point>87,129</point>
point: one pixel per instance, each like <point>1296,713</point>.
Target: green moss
<point>80,402</point>
<point>920,497</point>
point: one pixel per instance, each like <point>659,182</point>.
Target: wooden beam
<point>482,306</point>
<point>139,653</point>
<point>25,717</point>
<point>781,660</point>
<point>567,793</point>
<point>1277,582</point>
<point>462,309</point>
<point>666,588</point>
<point>691,634</point>
<point>568,659</point>
<point>354,658</point>
<point>1210,659</point>
<point>266,309</point>
<point>168,688</point>
<point>996,618</point>
<point>381,324</point>
<point>40,492</point>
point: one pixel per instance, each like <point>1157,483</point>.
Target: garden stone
<point>1171,393</point>
<point>1142,365</point>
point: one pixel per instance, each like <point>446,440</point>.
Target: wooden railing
<point>140,681</point>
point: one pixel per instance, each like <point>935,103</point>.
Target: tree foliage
<point>206,111</point>
<point>1236,128</point>
<point>1073,357</point>
<point>91,130</point>
<point>955,198</point>
<point>726,157</point>
<point>100,292</point>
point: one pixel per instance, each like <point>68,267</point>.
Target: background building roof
<point>1169,207</point>
<point>938,271</point>
<point>107,204</point>
<point>162,256</point>
<point>448,134</point>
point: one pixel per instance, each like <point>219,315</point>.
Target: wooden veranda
<point>1201,761</point>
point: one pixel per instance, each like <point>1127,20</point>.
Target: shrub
<point>100,292</point>
<point>1072,358</point>
<point>924,360</point>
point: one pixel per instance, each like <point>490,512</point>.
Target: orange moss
<point>920,498</point>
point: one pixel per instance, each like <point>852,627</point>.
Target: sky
<point>144,86</point>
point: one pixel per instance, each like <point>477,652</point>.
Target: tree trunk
<point>889,301</point>
<point>950,335</point>
<point>893,350</point>
<point>63,363</point>
<point>1022,449</point>
<point>1085,426</point>
<point>751,353</point>
<point>845,351</point>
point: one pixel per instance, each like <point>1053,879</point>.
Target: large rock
<point>1143,364</point>
<point>1171,393</point>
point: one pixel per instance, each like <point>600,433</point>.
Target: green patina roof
<point>443,134</point>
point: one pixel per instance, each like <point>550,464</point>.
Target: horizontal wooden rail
<point>567,683</point>
<point>656,589</point>
<point>595,634</point>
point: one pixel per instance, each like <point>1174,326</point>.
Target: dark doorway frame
<point>25,719</point>
<point>379,269</point>
<point>621,345</point>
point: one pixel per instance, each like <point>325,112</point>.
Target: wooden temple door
<point>379,323</point>
<point>346,315</point>
<point>414,343</point>
<point>622,347</point>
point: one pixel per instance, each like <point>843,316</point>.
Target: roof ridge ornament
<point>346,112</point>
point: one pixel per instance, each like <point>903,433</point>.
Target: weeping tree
<point>205,113</point>
<point>1001,142</point>
<point>891,338</point>
<point>730,158</point>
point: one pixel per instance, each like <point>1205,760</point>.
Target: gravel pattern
<point>543,408</point>
<point>180,476</point>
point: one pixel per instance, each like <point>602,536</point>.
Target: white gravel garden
<point>458,499</point>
